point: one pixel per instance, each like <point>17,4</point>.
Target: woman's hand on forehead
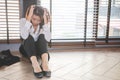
<point>30,12</point>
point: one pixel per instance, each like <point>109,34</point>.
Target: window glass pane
<point>102,24</point>
<point>90,18</point>
<point>67,18</point>
<point>115,19</point>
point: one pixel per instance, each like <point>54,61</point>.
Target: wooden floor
<point>82,64</point>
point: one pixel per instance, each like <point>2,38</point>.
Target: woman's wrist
<point>28,19</point>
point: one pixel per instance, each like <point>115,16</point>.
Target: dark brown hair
<point>38,11</point>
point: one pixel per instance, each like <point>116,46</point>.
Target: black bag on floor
<point>6,58</point>
<point>1,60</point>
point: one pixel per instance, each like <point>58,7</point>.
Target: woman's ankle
<point>35,64</point>
<point>45,67</point>
<point>36,68</point>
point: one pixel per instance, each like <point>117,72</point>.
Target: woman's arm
<point>46,26</point>
<point>46,16</point>
<point>29,12</point>
<point>24,28</point>
<point>25,23</point>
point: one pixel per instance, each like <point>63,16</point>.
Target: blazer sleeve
<point>24,28</point>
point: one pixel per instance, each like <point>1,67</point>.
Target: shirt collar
<point>38,27</point>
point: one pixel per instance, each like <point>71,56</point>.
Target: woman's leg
<point>29,46</point>
<point>35,64</point>
<point>43,52</point>
<point>45,63</point>
<point>37,70</point>
<point>30,49</point>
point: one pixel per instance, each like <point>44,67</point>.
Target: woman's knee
<point>30,38</point>
<point>29,42</point>
<point>41,37</point>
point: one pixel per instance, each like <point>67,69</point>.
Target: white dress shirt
<point>26,29</point>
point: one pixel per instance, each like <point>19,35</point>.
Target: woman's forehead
<point>35,16</point>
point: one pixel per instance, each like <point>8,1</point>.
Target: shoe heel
<point>47,73</point>
<point>38,74</point>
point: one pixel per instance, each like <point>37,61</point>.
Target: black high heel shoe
<point>38,74</point>
<point>46,73</point>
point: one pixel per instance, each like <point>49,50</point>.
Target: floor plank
<point>82,64</point>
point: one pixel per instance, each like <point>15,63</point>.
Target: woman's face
<point>36,20</point>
